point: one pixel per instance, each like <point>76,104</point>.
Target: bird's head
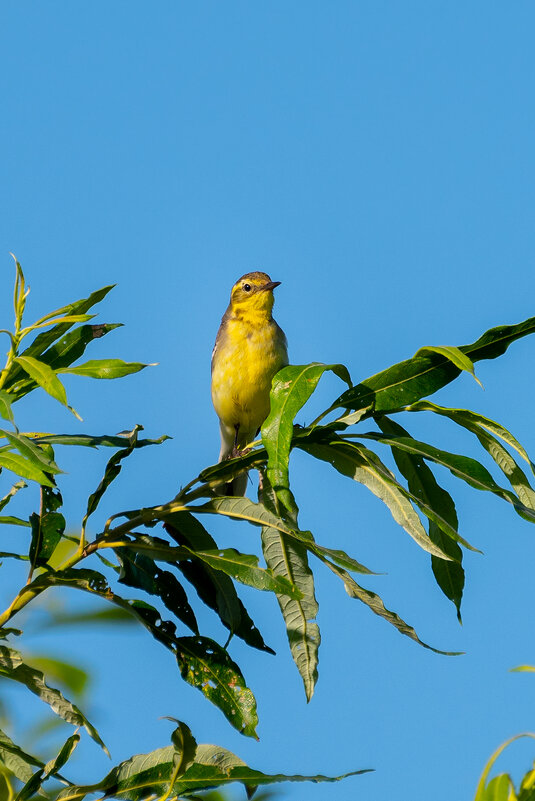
<point>253,293</point>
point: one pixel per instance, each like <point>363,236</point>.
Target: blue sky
<point>377,158</point>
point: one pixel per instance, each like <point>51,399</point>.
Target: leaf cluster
<point>182,556</point>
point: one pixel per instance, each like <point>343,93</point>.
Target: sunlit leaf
<point>364,467</point>
<point>105,368</point>
<point>15,759</point>
<point>147,775</point>
<point>481,787</point>
<point>455,355</point>
<point>43,375</point>
<point>415,378</point>
<point>288,558</point>
<point>209,668</point>
<point>22,467</point>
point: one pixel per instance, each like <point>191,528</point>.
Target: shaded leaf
<point>89,441</point>
<point>138,570</point>
<point>214,588</point>
<point>13,667</point>
<point>47,528</point>
<point>412,379</point>
<point>15,759</point>
<point>105,368</point>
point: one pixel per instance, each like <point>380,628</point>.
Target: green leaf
<point>366,468</point>
<point>374,602</point>
<point>13,667</point>
<point>64,755</point>
<point>22,467</point>
<point>423,485</point>
<point>14,521</point>
<point>147,775</point>
<point>15,759</point>
<point>113,468</point>
<point>47,528</point>
<point>186,747</point>
<point>292,387</point>
<point>12,492</point>
<point>288,558</point>
<point>105,368</point>
<point>463,467</point>
<point>412,379</point>
<point>214,588</point>
<point>473,422</point>
<point>455,355</point>
<point>30,451</point>
<point>245,568</point>
<point>481,789</point>
<point>5,406</point>
<point>89,441</point>
<point>43,375</point>
<point>46,338</point>
<point>138,570</point>
<point>209,668</point>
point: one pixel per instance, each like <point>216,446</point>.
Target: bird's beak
<point>270,286</point>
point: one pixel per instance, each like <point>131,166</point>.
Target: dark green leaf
<point>420,376</point>
<point>423,485</point>
<point>88,441</point>
<point>207,666</point>
<point>185,745</point>
<point>138,570</point>
<point>47,528</point>
<point>13,667</point>
<point>214,588</point>
<point>105,368</point>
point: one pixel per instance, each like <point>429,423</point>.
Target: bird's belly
<point>241,380</point>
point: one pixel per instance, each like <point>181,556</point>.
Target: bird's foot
<point>236,452</point>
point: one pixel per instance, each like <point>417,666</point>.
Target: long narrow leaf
<point>415,378</point>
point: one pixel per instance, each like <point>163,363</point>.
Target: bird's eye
<point>247,287</point>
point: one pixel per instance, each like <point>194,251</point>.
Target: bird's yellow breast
<point>248,353</point>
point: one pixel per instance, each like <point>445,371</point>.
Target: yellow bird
<point>249,349</point>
